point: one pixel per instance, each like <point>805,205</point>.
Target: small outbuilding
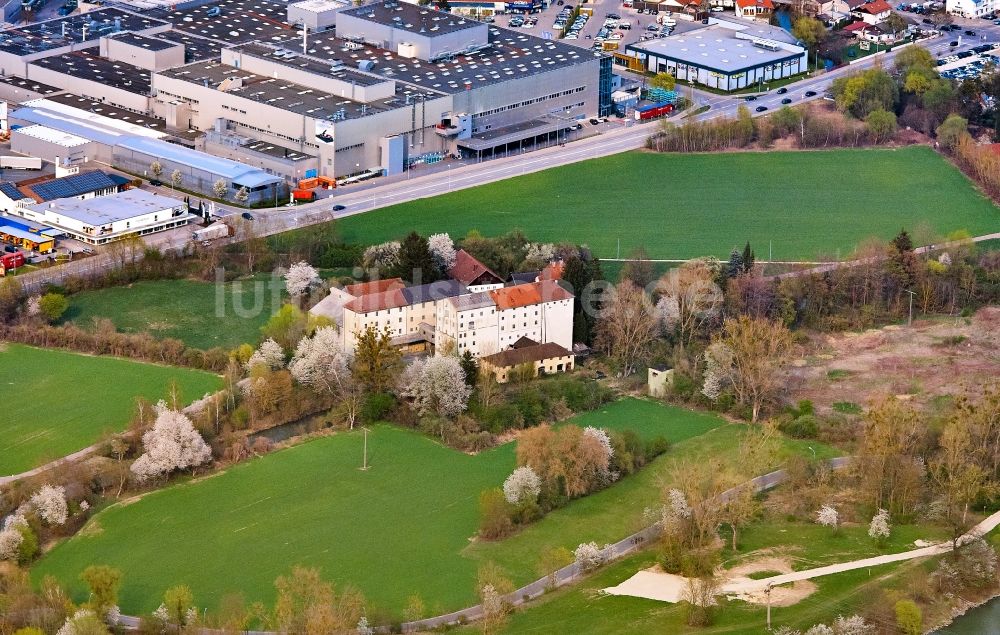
<point>659,379</point>
<point>530,358</point>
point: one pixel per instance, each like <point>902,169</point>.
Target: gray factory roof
<point>292,59</point>
<point>86,65</point>
<point>103,210</point>
<point>239,173</point>
<point>409,17</point>
<point>29,84</point>
<point>510,55</point>
<point>239,20</point>
<point>107,110</point>
<point>283,94</point>
<point>150,43</point>
<point>275,150</point>
<point>195,48</point>
<point>715,48</point>
<point>44,36</point>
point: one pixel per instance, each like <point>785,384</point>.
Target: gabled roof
<point>440,290</point>
<point>746,4</point>
<point>525,277</point>
<point>394,297</point>
<point>552,271</point>
<point>529,294</point>
<point>10,191</point>
<point>874,7</point>
<point>391,299</point>
<point>526,354</point>
<point>375,286</point>
<point>468,270</point>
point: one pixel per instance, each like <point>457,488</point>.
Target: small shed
<point>659,379</point>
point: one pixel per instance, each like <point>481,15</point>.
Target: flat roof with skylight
<point>413,18</point>
<point>718,49</point>
<point>60,32</point>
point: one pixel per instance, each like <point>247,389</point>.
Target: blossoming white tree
<point>853,625</point>
<point>321,363</point>
<point>381,256</point>
<point>10,542</point>
<point>879,528</point>
<point>269,354</point>
<point>50,503</point>
<point>436,386</point>
<point>588,556</point>
<point>523,485</point>
<point>540,253</point>
<point>171,444</point>
<point>300,278</point>
<point>442,249</point>
<point>828,517</point>
<point>602,437</point>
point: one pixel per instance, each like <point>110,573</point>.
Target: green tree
<point>415,262</point>
<point>376,360</point>
<point>909,619</point>
<point>747,258</point>
<point>865,91</point>
<point>809,31</point>
<point>913,57</point>
<point>287,326</point>
<point>881,125</point>
<point>470,367</point>
<point>178,600</point>
<point>917,82</point>
<point>52,306</point>
<point>939,98</point>
<point>951,131</point>
<point>666,81</point>
<point>494,514</point>
<point>896,23</point>
<point>787,121</point>
<point>103,582</point>
<point>744,125</point>
<point>28,548</point>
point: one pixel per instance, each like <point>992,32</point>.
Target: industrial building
<point>103,219</point>
<point>723,55</point>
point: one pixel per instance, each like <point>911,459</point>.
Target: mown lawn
<point>400,528</point>
<point>200,314</point>
<point>57,402</point>
<point>804,204</point>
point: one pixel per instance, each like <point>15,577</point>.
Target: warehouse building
<point>724,55</point>
<point>104,219</point>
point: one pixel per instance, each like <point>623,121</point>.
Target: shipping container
<point>21,163</point>
<point>304,195</point>
<point>12,261</point>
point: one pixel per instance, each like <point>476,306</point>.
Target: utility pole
<point>767,594</point>
<point>364,464</point>
<point>909,322</point>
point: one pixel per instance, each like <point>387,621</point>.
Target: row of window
<point>528,102</point>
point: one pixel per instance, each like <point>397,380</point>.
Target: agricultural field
<point>57,402</point>
<point>402,527</point>
<point>200,314</point>
<point>846,196</point>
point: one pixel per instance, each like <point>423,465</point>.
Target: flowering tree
<point>442,250</point>
<point>83,622</point>
<point>269,354</point>
<point>300,278</point>
<point>523,485</point>
<point>10,542</point>
<point>50,503</point>
<point>321,363</point>
<point>601,437</point>
<point>853,625</point>
<point>828,517</point>
<point>219,188</point>
<point>675,512</point>
<point>172,444</point>
<point>437,386</point>
<point>820,629</point>
<point>879,528</point>
<point>540,253</point>
<point>363,627</point>
<point>381,256</point>
<point>588,556</point>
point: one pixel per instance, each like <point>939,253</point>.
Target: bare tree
<point>690,299</point>
<point>627,327</point>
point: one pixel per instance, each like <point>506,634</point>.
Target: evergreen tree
<point>748,258</point>
<point>578,274</point>
<point>902,242</point>
<point>415,262</point>
<point>735,266</point>
<point>470,367</point>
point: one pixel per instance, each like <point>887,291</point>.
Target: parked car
<point>10,249</point>
<point>155,182</point>
<point>760,108</point>
<point>247,215</point>
<point>953,43</point>
<point>970,32</point>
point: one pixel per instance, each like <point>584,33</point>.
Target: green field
<point>400,528</point>
<point>805,204</point>
<point>57,402</point>
<point>200,314</point>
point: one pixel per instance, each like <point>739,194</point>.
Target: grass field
<point>56,402</point>
<point>200,314</point>
<point>400,528</point>
<point>806,204</point>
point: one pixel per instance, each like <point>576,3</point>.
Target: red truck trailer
<point>653,111</point>
<point>9,262</point>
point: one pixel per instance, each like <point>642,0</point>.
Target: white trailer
<point>21,163</point>
<point>213,231</point>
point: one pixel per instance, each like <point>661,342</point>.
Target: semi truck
<point>652,111</point>
<point>21,163</point>
<point>213,231</point>
<point>10,262</point>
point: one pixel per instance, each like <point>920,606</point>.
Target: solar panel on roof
<point>75,185</point>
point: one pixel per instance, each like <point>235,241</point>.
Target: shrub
<point>847,407</point>
<point>377,407</point>
<point>909,620</point>
<point>494,515</point>
<point>28,548</point>
<point>803,427</point>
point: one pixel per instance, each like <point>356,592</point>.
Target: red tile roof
<point>746,4</point>
<point>375,286</point>
<point>467,270</point>
<point>390,299</point>
<point>528,294</point>
<point>875,7</point>
<point>552,271</point>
